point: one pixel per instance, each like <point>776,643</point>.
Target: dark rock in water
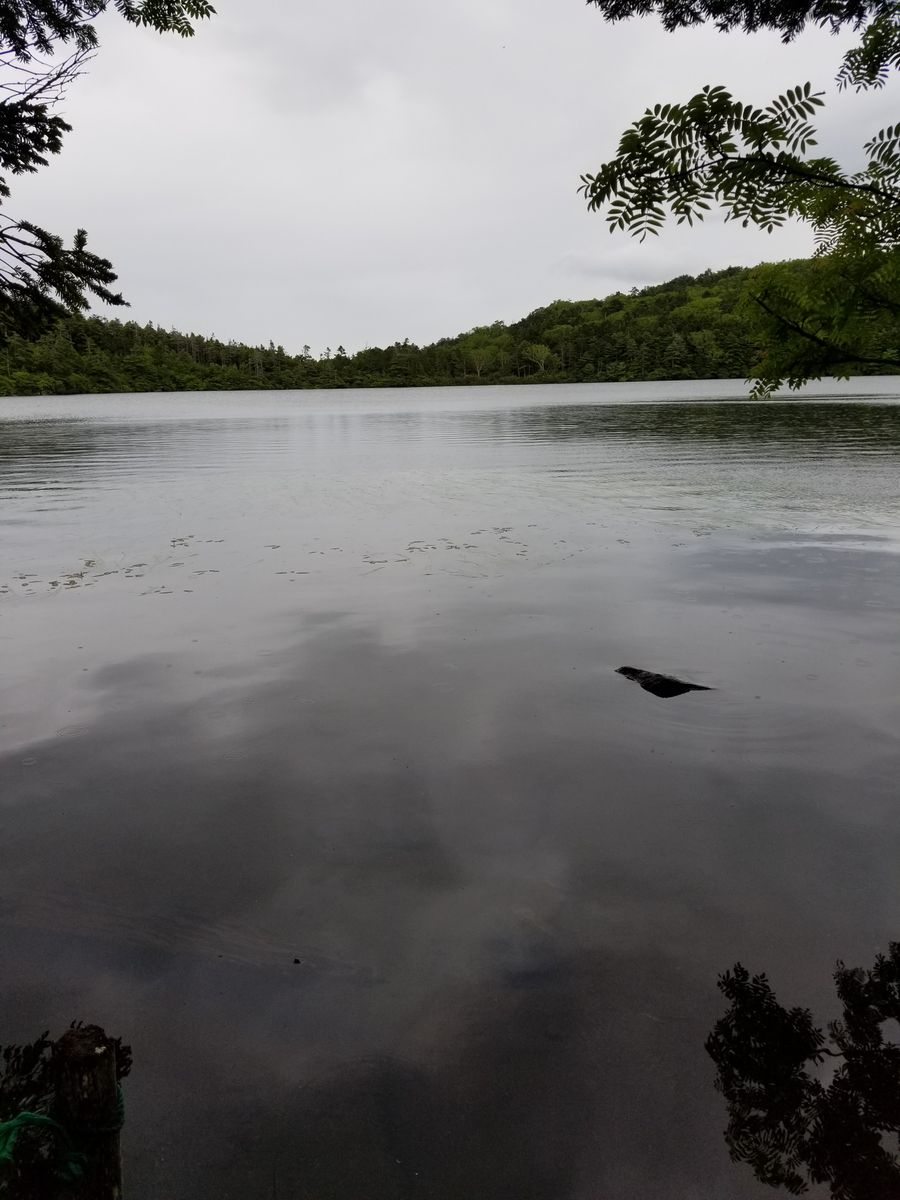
<point>664,686</point>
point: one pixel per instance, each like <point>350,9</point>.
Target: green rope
<point>70,1166</point>
<point>71,1162</point>
<point>10,1130</point>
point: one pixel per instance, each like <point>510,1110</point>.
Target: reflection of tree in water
<point>64,451</point>
<point>37,440</point>
<point>785,425</point>
<point>785,1119</point>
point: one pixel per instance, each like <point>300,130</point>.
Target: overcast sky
<point>361,173</point>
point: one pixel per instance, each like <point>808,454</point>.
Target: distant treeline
<point>688,328</point>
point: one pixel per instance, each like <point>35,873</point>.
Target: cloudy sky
<point>361,173</point>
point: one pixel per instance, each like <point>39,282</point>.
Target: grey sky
<point>362,173</point>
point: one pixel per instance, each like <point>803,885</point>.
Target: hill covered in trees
<point>688,328</point>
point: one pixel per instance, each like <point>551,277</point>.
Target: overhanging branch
<point>835,352</point>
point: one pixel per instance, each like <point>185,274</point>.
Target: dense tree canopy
<point>689,328</point>
<point>44,46</point>
<point>758,166</point>
<point>789,17</point>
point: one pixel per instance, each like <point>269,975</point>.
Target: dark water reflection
<point>286,682</point>
<point>784,426</point>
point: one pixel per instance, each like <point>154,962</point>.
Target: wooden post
<point>86,1106</point>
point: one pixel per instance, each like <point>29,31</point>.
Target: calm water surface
<point>331,678</point>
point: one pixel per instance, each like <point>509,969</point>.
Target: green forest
<point>699,327</point>
<point>688,328</point>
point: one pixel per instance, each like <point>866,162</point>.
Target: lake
<point>320,787</point>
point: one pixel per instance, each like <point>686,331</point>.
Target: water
<point>331,678</point>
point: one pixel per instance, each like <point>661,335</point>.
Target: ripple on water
<point>377,746</point>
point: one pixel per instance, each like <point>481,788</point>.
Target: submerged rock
<point>664,686</point>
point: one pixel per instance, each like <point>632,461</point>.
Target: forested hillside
<point>688,328</point>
